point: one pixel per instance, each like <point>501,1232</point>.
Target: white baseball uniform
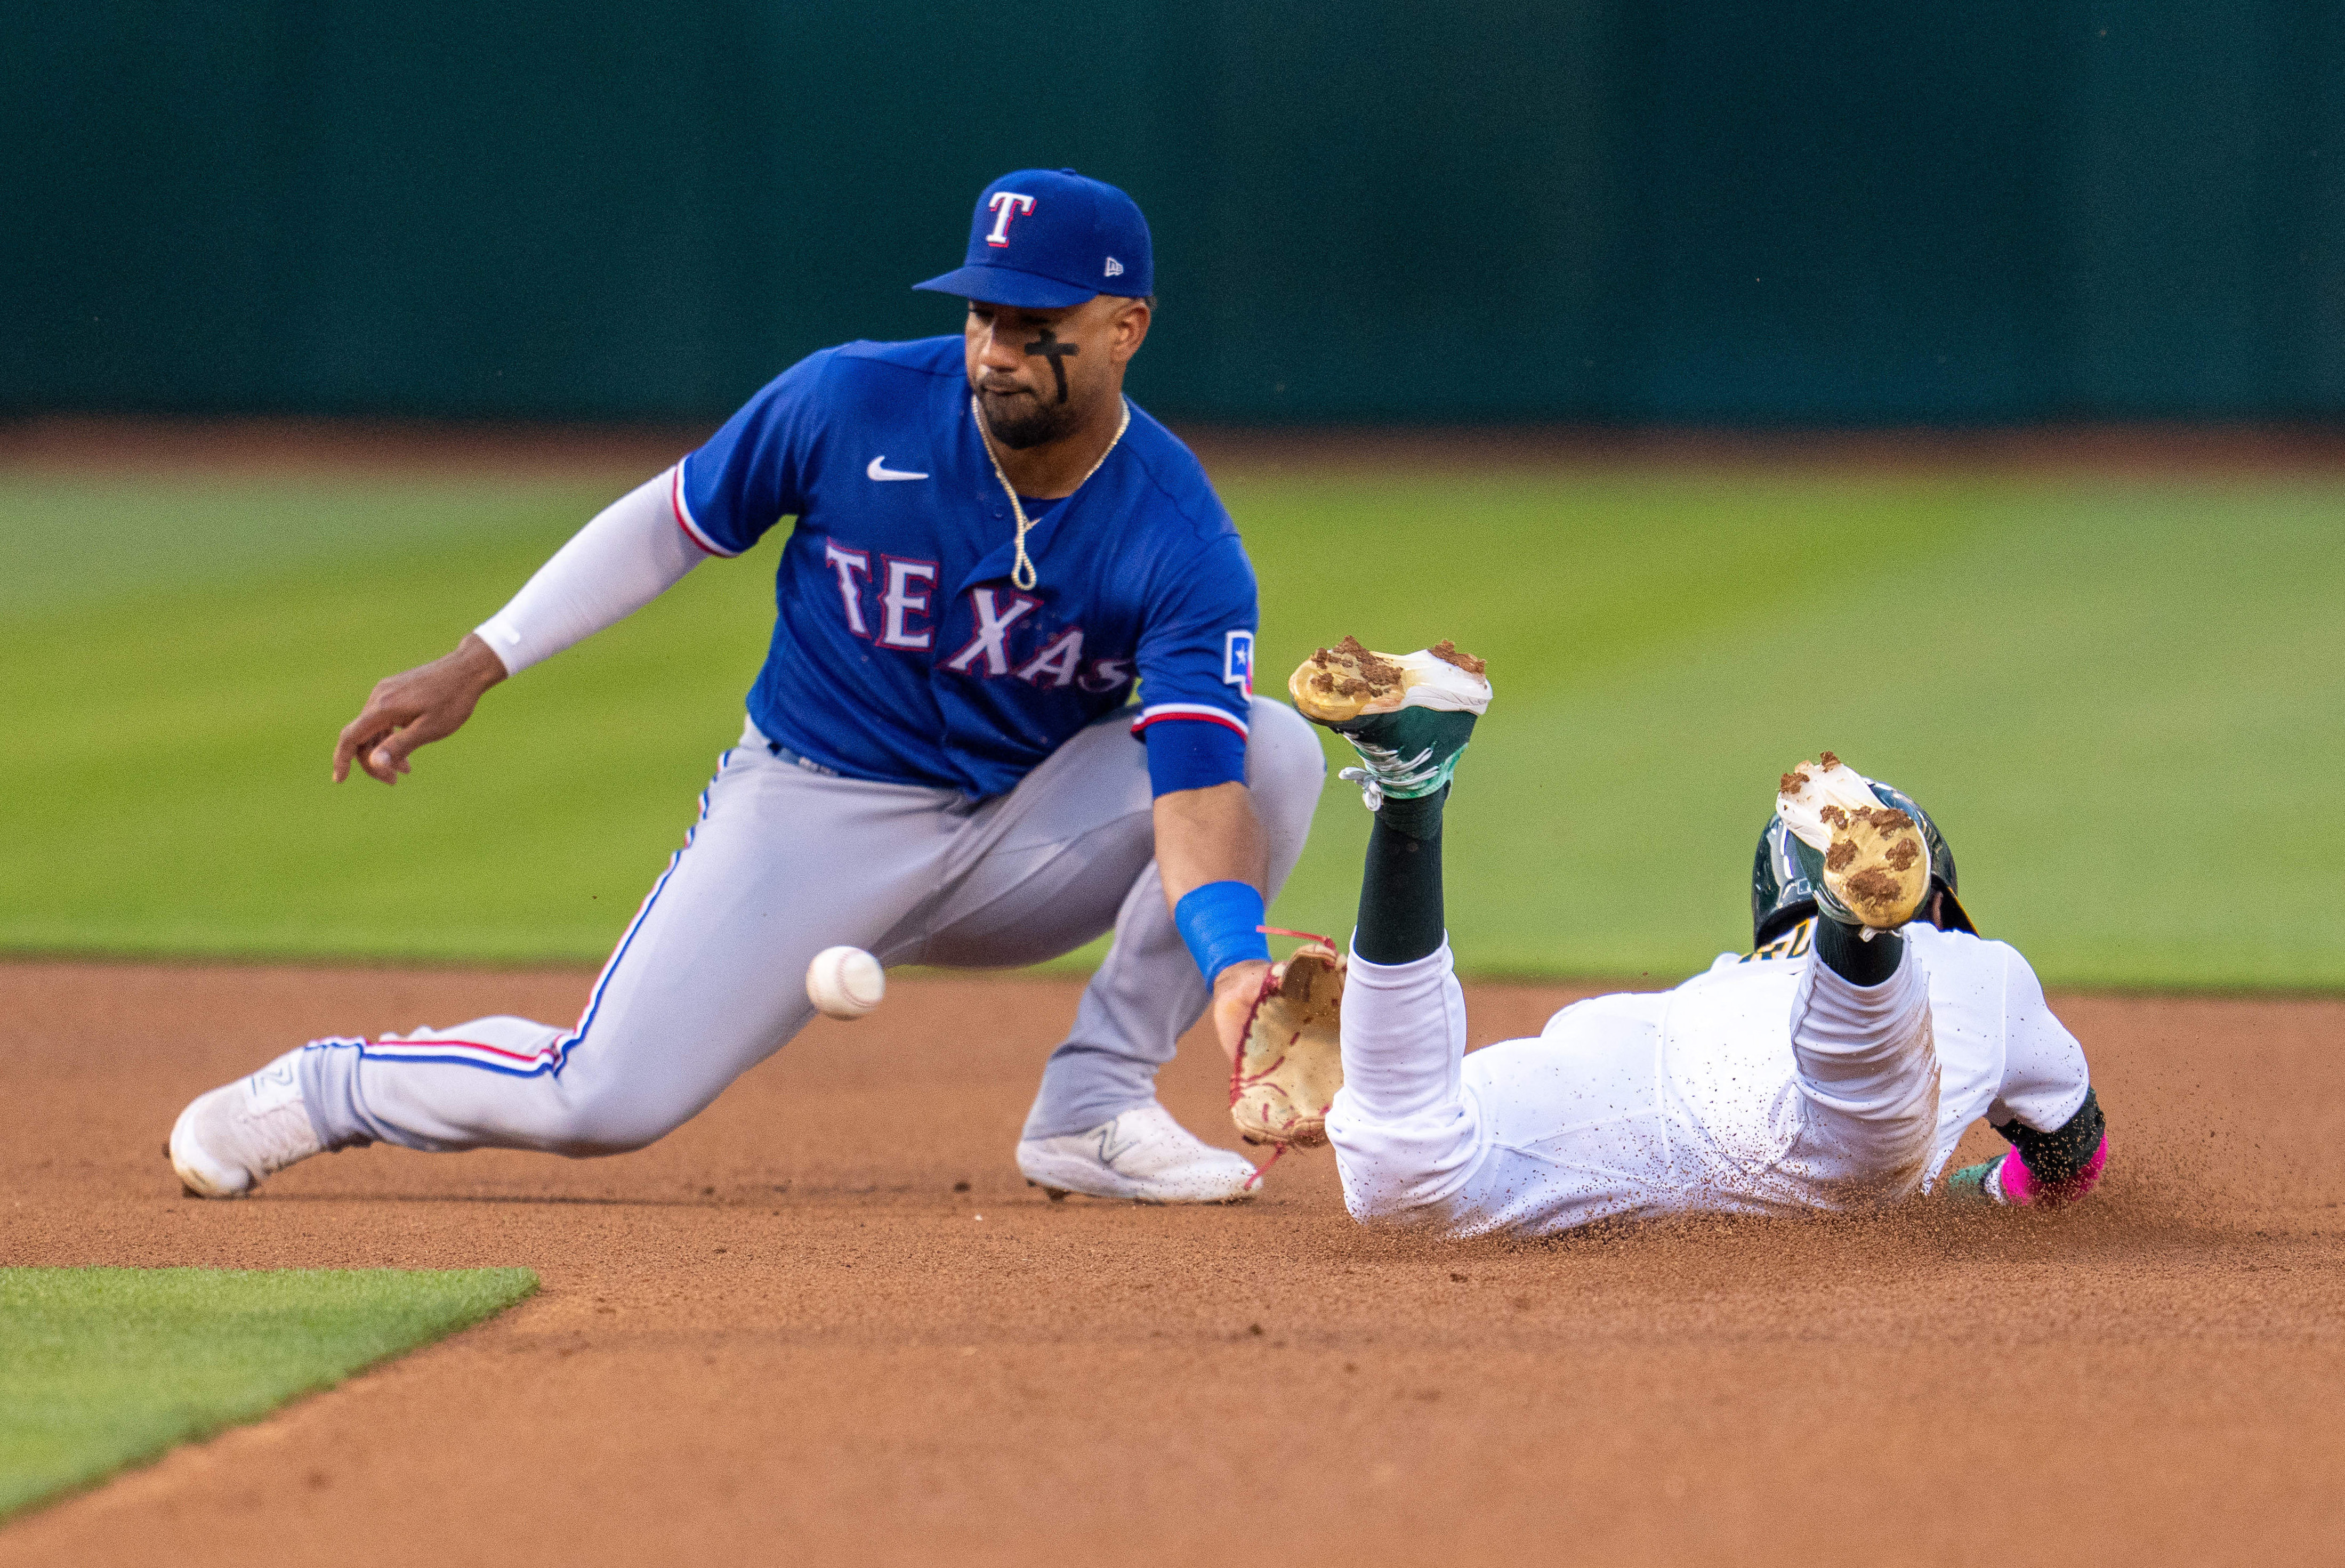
<point>1765,1085</point>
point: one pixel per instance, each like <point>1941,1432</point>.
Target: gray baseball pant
<point>787,860</point>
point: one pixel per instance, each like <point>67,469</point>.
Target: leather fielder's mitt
<point>1291,1062</point>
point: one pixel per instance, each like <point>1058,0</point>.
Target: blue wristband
<point>1220,923</point>
<point>1189,753</point>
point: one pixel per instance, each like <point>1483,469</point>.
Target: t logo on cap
<point>1077,238</point>
<point>1006,204</point>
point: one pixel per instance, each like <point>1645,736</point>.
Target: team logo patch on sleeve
<point>1237,661</point>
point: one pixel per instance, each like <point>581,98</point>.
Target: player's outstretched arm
<point>422,704</point>
<point>2046,1108</point>
<point>633,551</point>
<point>1211,835</point>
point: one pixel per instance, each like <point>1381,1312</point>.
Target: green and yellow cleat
<point>1409,716</point>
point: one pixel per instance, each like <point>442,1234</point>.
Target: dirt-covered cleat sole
<point>1409,716</point>
<point>1337,685</point>
<point>1865,857</point>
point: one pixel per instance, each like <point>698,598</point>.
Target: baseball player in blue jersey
<point>942,763</point>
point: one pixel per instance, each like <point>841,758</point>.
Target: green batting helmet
<point>1781,895</point>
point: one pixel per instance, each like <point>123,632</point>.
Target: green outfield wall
<point>1708,211</point>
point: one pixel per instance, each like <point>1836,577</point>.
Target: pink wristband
<point>2022,1189</point>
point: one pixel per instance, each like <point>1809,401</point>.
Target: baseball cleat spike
<point>1409,716</point>
<point>1865,857</point>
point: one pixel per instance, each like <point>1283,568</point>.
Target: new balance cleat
<point>1865,858</point>
<point>1409,716</point>
<point>227,1141</point>
<point>1142,1155</point>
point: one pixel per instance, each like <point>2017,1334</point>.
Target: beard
<point>1021,419</point>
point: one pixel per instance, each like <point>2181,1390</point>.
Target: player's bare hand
<point>1234,990</point>
<point>407,711</point>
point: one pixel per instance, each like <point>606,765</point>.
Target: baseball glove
<point>1291,1062</point>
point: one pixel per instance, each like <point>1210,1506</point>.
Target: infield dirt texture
<point>784,1336</point>
<point>788,1333</point>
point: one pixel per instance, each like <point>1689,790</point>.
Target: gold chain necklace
<point>1021,570</point>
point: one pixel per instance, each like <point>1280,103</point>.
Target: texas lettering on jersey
<point>903,653</point>
<point>1006,638</point>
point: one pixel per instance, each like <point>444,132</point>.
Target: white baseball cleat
<point>1143,1155</point>
<point>225,1141</point>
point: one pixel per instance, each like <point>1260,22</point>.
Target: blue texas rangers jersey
<point>902,651</point>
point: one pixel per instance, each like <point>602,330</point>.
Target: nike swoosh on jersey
<point>879,470</point>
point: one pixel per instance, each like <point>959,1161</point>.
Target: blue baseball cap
<point>1044,239</point>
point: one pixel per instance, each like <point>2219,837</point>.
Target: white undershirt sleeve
<point>1406,1137</point>
<point>631,552</point>
<point>2044,1074</point>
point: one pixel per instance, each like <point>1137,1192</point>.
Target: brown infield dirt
<point>786,1333</point>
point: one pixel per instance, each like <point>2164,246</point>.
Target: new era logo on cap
<point>1051,238</point>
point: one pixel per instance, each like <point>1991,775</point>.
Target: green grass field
<point>2118,698</point>
<point>103,1368</point>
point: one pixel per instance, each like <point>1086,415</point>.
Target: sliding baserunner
<point>1835,1068</point>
